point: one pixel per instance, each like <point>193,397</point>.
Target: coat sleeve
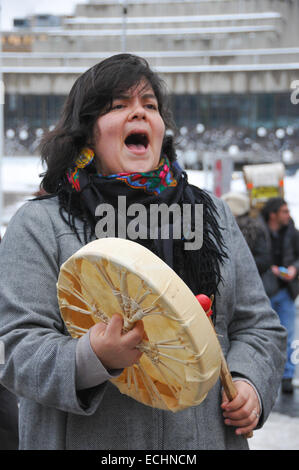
<point>260,253</point>
<point>256,339</point>
<point>295,243</point>
<point>40,356</point>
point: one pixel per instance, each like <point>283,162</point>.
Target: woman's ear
<point>85,158</point>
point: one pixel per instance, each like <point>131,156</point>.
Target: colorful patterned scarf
<point>152,182</point>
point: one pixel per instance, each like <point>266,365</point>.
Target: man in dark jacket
<point>281,279</point>
<point>253,232</point>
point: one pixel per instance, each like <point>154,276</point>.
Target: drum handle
<point>227,381</point>
<point>225,375</point>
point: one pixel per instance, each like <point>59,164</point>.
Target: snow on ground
<point>21,175</point>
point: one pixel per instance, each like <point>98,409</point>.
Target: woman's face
<point>129,137</point>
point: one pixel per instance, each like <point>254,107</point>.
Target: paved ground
<point>281,431</point>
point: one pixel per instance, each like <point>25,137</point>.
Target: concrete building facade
<point>231,63</point>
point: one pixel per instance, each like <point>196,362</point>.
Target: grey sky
<point>20,8</point>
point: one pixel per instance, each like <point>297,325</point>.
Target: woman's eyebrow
<point>147,96</point>
<point>128,97</point>
<point>121,97</point>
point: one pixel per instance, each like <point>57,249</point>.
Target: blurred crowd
<point>244,145</point>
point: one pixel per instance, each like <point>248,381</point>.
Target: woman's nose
<point>138,112</point>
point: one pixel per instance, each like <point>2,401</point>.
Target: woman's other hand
<point>244,410</point>
<point>114,348</point>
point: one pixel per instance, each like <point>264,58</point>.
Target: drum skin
<point>181,357</point>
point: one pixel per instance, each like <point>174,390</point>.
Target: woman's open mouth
<point>137,142</point>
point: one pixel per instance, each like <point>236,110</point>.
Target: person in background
<point>281,278</point>
<point>251,229</point>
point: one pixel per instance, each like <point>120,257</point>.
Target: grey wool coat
<point>60,408</point>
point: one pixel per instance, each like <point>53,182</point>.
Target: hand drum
<point>181,357</point>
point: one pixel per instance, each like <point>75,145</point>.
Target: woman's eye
<point>117,106</point>
<point>152,106</point>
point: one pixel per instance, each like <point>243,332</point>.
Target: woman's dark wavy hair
<point>90,97</point>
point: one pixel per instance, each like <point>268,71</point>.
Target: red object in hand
<point>206,303</point>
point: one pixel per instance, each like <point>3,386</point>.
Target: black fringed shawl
<point>199,269</point>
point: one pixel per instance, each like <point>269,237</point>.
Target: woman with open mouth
<point>112,141</point>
